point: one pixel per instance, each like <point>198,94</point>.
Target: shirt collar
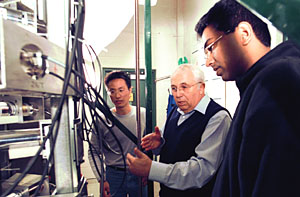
<point>200,107</point>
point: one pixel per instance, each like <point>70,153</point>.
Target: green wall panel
<point>283,14</point>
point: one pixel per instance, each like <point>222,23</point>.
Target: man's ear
<point>203,85</point>
<point>202,92</point>
<point>245,32</point>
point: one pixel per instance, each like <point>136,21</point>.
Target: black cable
<point>86,73</point>
<point>29,165</point>
<point>100,138</point>
<point>48,161</point>
<point>100,105</point>
<point>97,134</point>
<point>100,70</point>
<point>65,87</point>
<point>103,108</point>
<point>56,118</point>
<point>91,148</point>
<point>107,113</point>
<point>34,158</point>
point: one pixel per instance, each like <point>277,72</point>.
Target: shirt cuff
<point>158,171</point>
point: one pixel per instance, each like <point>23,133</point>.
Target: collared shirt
<point>201,107</point>
<point>197,171</point>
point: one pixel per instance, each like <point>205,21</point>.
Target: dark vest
<point>180,144</point>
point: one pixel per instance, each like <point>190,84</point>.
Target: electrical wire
<point>78,32</point>
<point>92,106</point>
<point>86,96</point>
<point>90,96</point>
<point>92,149</point>
<point>56,118</point>
<point>94,68</point>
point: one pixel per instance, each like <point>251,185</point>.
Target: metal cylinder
<point>7,109</point>
<point>137,71</point>
<point>29,110</point>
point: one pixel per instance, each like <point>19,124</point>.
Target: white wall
<point>224,93</point>
<point>57,21</point>
<point>173,36</point>
<point>121,53</point>
<point>164,51</point>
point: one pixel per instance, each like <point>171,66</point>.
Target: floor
<point>93,185</point>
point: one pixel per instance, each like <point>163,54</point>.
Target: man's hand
<point>139,165</point>
<point>106,190</point>
<point>152,140</point>
<point>144,181</point>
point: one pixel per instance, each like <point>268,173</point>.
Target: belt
<point>117,168</point>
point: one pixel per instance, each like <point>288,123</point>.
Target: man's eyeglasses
<point>209,49</point>
<point>114,92</point>
<point>183,88</point>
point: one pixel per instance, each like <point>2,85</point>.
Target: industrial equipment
<point>31,94</point>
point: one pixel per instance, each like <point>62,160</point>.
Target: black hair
<point>226,15</point>
<point>117,75</point>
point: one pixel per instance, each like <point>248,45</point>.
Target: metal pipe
<point>162,78</point>
<point>20,139</point>
<point>21,135</point>
<point>137,71</point>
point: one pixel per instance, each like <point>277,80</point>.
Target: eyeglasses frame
<point>180,89</point>
<point>209,48</point>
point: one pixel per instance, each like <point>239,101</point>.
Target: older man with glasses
<point>191,143</point>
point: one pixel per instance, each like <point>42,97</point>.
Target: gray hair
<point>197,72</point>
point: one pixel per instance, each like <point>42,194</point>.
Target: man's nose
<point>179,92</point>
<point>118,94</point>
<point>210,60</point>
